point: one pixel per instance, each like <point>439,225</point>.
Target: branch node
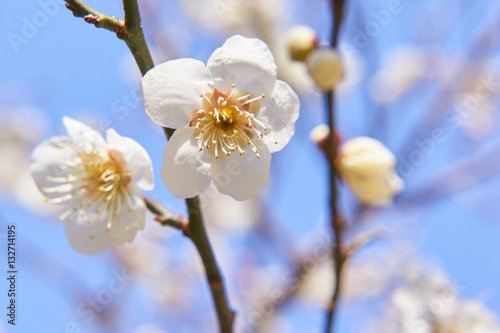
<point>92,19</point>
<point>215,282</point>
<point>68,6</point>
<point>121,29</point>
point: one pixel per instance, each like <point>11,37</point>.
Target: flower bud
<point>325,68</point>
<point>319,135</point>
<point>301,41</point>
<point>369,169</point>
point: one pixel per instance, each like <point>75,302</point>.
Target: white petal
<point>55,157</point>
<point>79,236</point>
<point>171,91</point>
<point>136,157</point>
<point>125,225</point>
<point>242,176</point>
<point>84,137</point>
<point>279,112</point>
<point>185,170</point>
<point>245,62</point>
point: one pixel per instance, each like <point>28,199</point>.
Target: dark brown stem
<point>339,255</point>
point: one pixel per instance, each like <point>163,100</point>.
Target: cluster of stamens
<point>227,122</point>
<point>98,186</point>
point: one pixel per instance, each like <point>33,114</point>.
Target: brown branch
<point>338,226</point>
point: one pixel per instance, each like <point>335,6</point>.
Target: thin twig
<point>167,218</point>
<point>97,18</point>
<point>131,32</point>
<point>337,224</point>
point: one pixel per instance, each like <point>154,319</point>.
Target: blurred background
<point>411,68</point>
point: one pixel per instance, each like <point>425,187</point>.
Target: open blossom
<point>230,116</point>
<point>99,183</point>
<point>369,169</point>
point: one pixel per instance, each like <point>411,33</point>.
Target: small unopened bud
<point>301,41</point>
<point>369,169</point>
<point>319,135</point>
<point>325,68</point>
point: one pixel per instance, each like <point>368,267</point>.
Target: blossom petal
<point>136,158</point>
<point>171,91</point>
<point>55,157</point>
<point>185,170</point>
<point>242,177</point>
<point>279,112</point>
<point>84,137</point>
<point>245,62</point>
<point>79,236</point>
<point>130,218</point>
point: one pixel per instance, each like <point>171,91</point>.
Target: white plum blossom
<point>401,70</point>
<point>369,169</point>
<point>98,182</point>
<point>230,115</point>
<point>432,305</point>
<point>16,145</point>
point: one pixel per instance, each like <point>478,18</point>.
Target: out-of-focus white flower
<point>301,41</point>
<point>20,129</point>
<point>149,328</point>
<point>156,267</point>
<point>230,116</point>
<point>226,213</point>
<point>232,15</point>
<point>402,69</point>
<point>431,305</point>
<point>481,121</point>
<point>317,286</point>
<point>98,182</point>
<point>369,169</point>
<point>354,69</point>
<point>325,68</point>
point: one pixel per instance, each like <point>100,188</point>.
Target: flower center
<point>228,122</point>
<point>99,185</point>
